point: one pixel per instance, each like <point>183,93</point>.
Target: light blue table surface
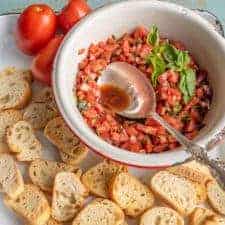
<point>215,6</point>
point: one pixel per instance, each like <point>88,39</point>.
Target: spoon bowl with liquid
<point>126,91</point>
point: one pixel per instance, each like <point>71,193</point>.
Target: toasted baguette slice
<point>198,178</point>
<point>21,139</point>
<point>130,194</point>
<point>11,180</point>
<point>73,160</point>
<point>14,93</point>
<point>214,220</point>
<point>38,114</point>
<point>161,216</point>
<point>52,221</point>
<point>17,74</point>
<point>216,197</point>
<point>43,172</point>
<point>101,212</point>
<point>97,178</point>
<point>199,167</point>
<point>190,174</point>
<point>60,135</point>
<point>199,215</point>
<point>176,191</point>
<point>68,196</point>
<point>31,204</point>
<point>7,118</point>
<point>46,95</point>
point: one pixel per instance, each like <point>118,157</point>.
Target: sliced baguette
<point>31,205</point>
<point>101,212</point>
<point>97,178</point>
<point>14,93</point>
<point>199,215</point>
<point>130,194</point>
<point>11,180</point>
<point>199,167</point>
<point>7,118</point>
<point>62,137</point>
<point>21,140</point>
<point>39,114</point>
<point>46,95</point>
<point>17,74</point>
<point>214,220</point>
<point>161,216</point>
<point>68,196</point>
<point>175,191</point>
<point>52,221</point>
<point>73,160</point>
<point>198,178</point>
<point>43,172</point>
<point>216,197</point>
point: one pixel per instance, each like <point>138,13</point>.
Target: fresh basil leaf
<point>191,81</point>
<point>170,54</point>
<point>153,36</point>
<point>187,84</point>
<point>183,59</point>
<point>159,67</point>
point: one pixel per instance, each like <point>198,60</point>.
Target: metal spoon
<point>143,104</point>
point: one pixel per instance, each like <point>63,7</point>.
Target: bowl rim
<point>56,83</point>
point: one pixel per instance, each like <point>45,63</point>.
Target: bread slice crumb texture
<point>97,178</point>
<point>68,196</point>
<point>22,140</point>
<point>43,172</point>
<point>62,137</point>
<point>31,205</point>
<point>7,119</point>
<point>161,216</point>
<point>130,194</point>
<point>14,93</point>
<point>101,212</point>
<point>175,191</point>
<point>216,196</point>
<point>11,180</point>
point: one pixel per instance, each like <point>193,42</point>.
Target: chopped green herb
<point>170,53</point>
<point>82,105</point>
<point>153,36</point>
<point>159,66</point>
<point>165,56</point>
<point>187,83</point>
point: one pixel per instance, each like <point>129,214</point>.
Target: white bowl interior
<point>174,22</point>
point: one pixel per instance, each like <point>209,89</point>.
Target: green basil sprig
<point>165,56</point>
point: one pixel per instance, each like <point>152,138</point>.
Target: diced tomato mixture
<point>146,135</point>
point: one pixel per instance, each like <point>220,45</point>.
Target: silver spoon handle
<point>180,137</point>
<point>197,152</point>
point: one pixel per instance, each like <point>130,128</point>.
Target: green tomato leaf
<point>153,36</point>
<point>159,67</point>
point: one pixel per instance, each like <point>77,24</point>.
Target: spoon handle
<point>197,152</point>
<point>180,137</point>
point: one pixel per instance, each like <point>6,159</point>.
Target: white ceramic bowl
<point>174,22</point>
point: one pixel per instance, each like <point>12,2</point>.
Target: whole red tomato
<point>35,27</point>
<point>72,13</point>
<point>42,64</point>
